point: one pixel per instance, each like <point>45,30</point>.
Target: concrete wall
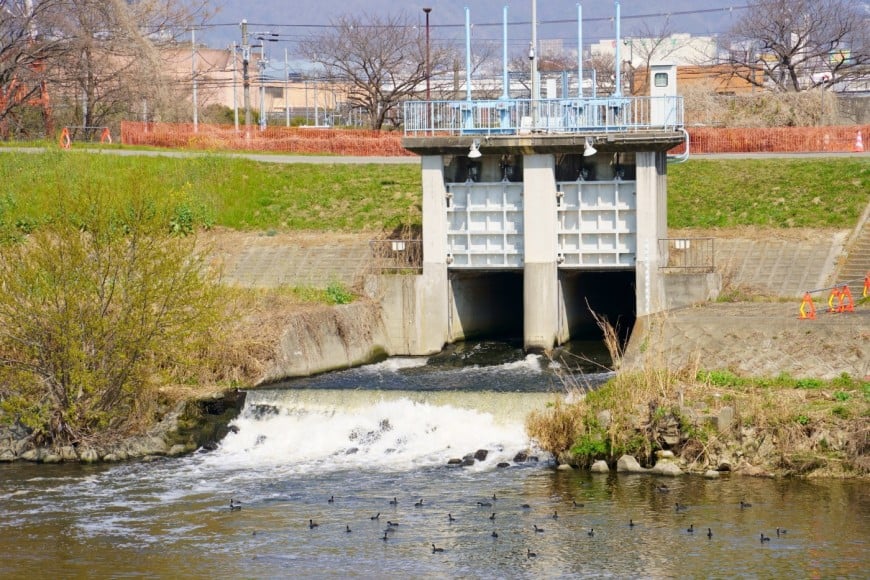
<point>328,339</point>
<point>683,290</point>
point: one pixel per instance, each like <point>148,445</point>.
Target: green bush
<point>97,307</point>
<point>336,293</point>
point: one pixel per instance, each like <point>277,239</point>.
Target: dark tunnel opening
<point>609,294</point>
<point>487,305</point>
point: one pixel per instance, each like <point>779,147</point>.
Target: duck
<point>555,514</point>
<point>484,504</point>
<point>530,554</point>
<point>419,503</point>
<point>709,534</point>
<point>386,537</point>
<point>526,506</point>
<point>744,505</point>
<point>234,507</point>
<point>394,501</point>
<point>392,524</point>
<point>764,538</point>
<point>630,523</point>
<point>492,517</point>
<point>663,488</point>
<point>538,530</point>
<point>450,518</point>
<point>312,524</point>
<point>494,534</point>
<point>434,549</point>
<point>691,528</point>
<point>331,499</point>
<point>377,516</point>
<point>679,507</point>
<point>780,531</point>
<point>347,528</point>
<point>577,505</point>
<point>494,498</point>
<point>591,532</point>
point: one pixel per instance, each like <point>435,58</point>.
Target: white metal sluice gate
<point>597,225</point>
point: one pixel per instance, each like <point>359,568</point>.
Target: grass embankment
<point>219,191</point>
<point>247,195</point>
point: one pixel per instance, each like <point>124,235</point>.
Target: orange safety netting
<point>359,142</point>
<point>774,139</point>
<point>302,140</point>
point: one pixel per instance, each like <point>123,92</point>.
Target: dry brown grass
<point>814,426</point>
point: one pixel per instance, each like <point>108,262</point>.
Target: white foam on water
<point>395,364</point>
<point>312,431</point>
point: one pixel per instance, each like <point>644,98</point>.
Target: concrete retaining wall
<point>327,340</point>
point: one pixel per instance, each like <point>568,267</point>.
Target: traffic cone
<point>859,144</point>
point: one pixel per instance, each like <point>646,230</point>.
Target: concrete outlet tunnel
<point>490,304</point>
<point>609,294</point>
<point>486,305</point>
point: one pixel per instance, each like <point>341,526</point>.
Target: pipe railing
<point>687,254</point>
<point>566,115</point>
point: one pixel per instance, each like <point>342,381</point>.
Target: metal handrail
<point>397,255</point>
<point>555,116</point>
<point>687,254</point>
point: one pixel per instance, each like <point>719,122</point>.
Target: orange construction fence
<point>307,140</point>
<point>835,139</point>
<point>302,140</point>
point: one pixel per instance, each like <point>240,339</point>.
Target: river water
<point>367,436</point>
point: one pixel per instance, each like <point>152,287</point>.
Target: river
<point>367,436</point>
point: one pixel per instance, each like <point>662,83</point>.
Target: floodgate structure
<point>539,212</point>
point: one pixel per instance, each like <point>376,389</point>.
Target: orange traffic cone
<point>859,144</point>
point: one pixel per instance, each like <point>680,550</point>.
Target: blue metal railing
<point>522,116</point>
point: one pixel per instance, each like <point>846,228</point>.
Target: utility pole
<point>235,91</point>
<point>262,67</point>
<point>193,75</point>
<point>246,80</point>
<point>286,89</point>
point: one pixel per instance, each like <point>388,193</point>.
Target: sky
<point>294,19</point>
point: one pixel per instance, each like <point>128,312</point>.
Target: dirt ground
<point>757,340</point>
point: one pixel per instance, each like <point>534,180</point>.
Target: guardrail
<point>397,255</point>
<point>523,116</point>
<point>687,254</point>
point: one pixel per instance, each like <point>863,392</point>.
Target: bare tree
<point>23,55</point>
<point>605,72</point>
<point>648,44</point>
<point>96,59</point>
<point>382,59</point>
<point>795,45</point>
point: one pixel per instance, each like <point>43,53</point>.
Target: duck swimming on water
<point>234,507</point>
<point>435,550</point>
<point>312,524</point>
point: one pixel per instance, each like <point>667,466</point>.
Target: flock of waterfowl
<point>393,526</point>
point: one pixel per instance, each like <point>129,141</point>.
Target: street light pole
<point>428,69</point>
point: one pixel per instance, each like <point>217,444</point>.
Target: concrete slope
<point>857,263</point>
